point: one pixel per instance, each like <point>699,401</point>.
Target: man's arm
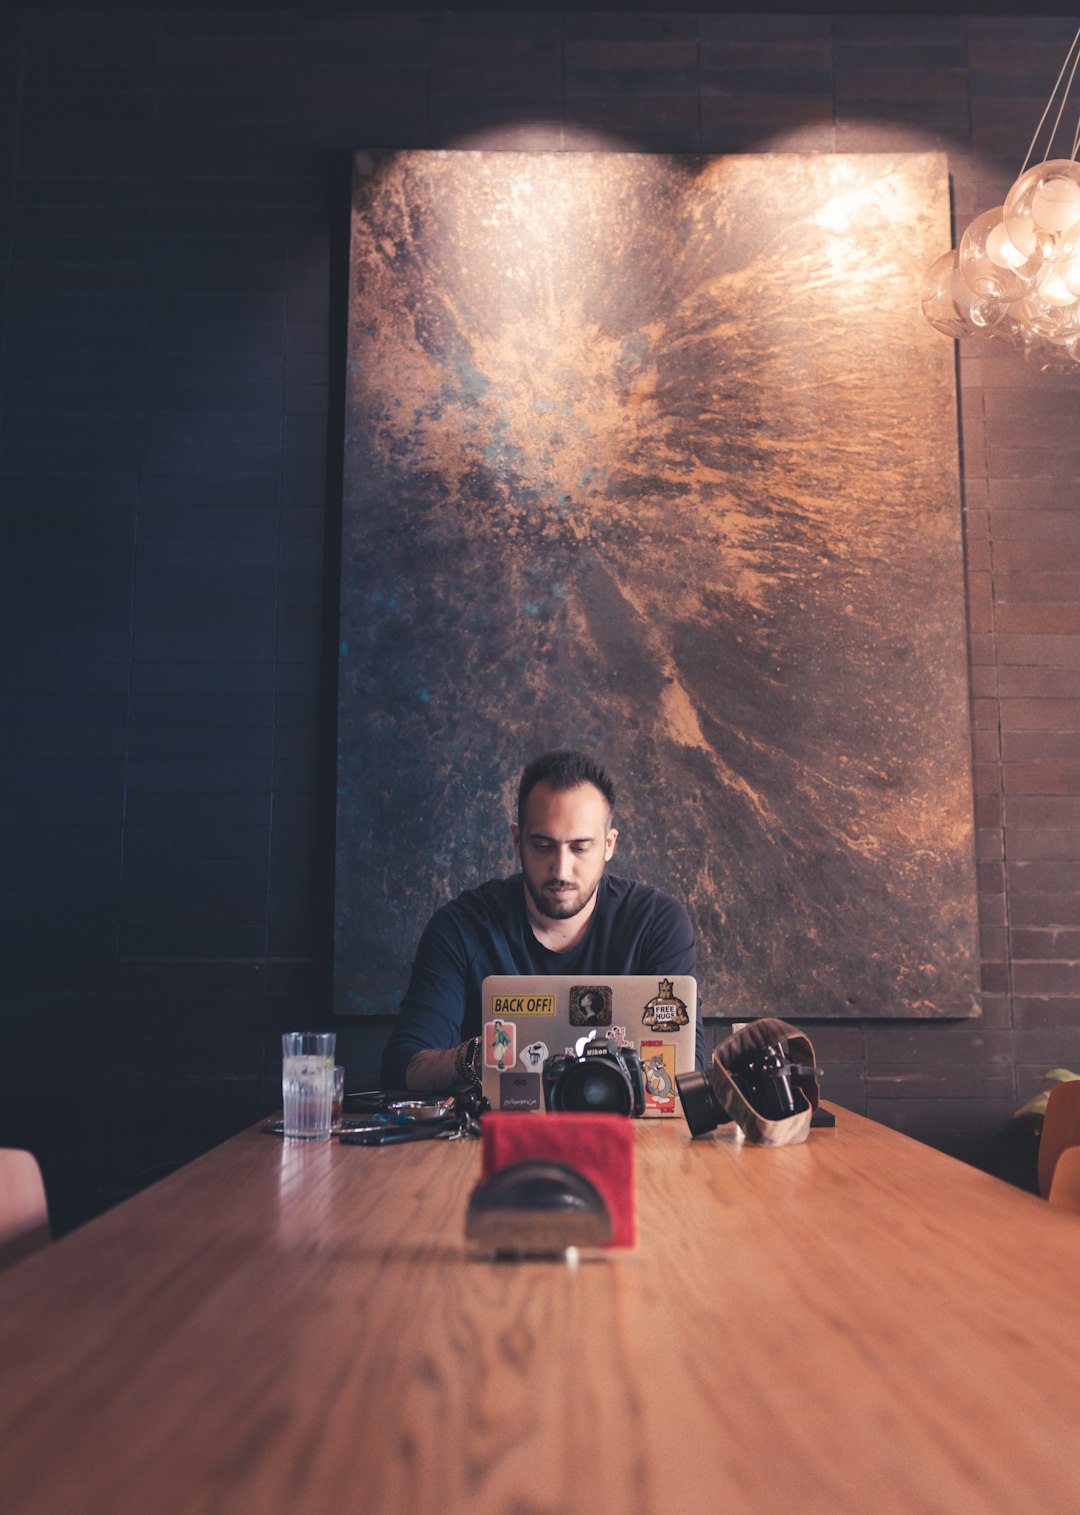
<point>437,1069</point>
<point>431,1069</point>
<point>670,948</point>
<point>420,1053</point>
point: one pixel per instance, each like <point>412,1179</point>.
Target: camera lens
<point>700,1105</point>
<point>597,1087</point>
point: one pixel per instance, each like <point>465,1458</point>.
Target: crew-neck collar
<point>532,936</point>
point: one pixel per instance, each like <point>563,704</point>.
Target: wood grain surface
<point>856,1324</point>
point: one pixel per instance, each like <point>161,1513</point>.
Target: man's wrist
<point>467,1063</point>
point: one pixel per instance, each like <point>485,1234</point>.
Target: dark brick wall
<point>173,224</point>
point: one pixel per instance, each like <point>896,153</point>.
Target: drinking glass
<point>307,1083</point>
<point>338,1102</point>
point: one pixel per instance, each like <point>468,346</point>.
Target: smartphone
<point>349,1123</point>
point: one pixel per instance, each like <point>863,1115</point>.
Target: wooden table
<point>858,1324</point>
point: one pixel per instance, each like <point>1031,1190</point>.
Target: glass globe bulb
<point>984,313</point>
<point>1052,287</point>
<point>1036,245</point>
<point>951,305</point>
<point>1048,197</point>
<point>937,296</point>
<point>1046,319</point>
<point>992,277</point>
<point>1055,205</point>
<point>1001,250</point>
<point>1023,234</point>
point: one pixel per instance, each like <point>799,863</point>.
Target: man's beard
<point>556,908</point>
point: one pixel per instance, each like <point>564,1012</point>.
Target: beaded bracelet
<point>466,1058</point>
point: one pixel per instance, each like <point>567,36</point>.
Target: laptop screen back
<point>526,1020</point>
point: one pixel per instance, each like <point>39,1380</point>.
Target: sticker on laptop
<point>522,1004</point>
<point>590,1005</point>
<point>533,1057</point>
<point>500,1042</point>
<point>665,1011</point>
<point>520,1091</point>
<point>658,1066</point>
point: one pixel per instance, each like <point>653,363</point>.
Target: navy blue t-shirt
<point>633,929</point>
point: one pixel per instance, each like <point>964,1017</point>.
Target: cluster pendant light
<point>1015,276</point>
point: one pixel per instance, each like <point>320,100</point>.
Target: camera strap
<point>731,1055</point>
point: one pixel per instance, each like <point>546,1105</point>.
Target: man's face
<point>563,845</point>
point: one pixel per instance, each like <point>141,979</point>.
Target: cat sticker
<point>658,1066</point>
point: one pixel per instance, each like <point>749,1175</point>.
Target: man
<point>561,914</point>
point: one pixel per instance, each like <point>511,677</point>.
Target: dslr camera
<point>763,1075</point>
<point>775,1087</point>
<point>765,1078</point>
<point>604,1080</point>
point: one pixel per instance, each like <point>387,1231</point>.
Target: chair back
<point>24,1213</point>
<point>1061,1129</point>
<point>1065,1184</point>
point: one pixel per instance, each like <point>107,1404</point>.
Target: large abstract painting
<point>656,456</point>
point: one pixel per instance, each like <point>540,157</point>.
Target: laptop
<point>526,1019</point>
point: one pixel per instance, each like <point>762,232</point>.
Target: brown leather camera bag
<point>733,1053</point>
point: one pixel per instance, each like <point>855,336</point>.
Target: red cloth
<point>600,1147</point>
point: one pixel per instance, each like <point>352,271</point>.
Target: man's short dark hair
<point>561,771</point>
